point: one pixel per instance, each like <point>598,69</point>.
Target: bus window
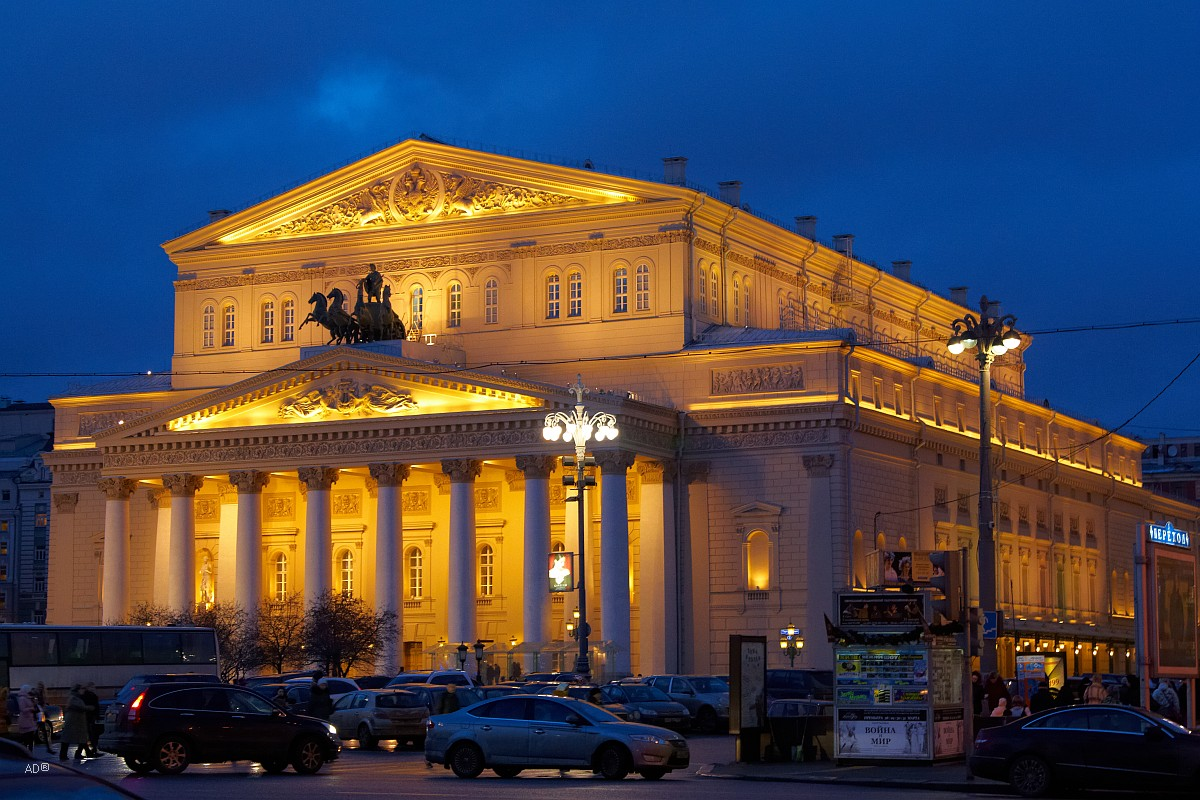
<point>198,648</point>
<point>122,647</point>
<point>161,647</point>
<point>80,647</point>
<point>35,649</point>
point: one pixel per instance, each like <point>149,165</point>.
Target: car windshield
<point>709,685</point>
<point>644,694</point>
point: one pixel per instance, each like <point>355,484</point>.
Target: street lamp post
<point>988,336</point>
<point>462,657</point>
<point>577,427</point>
<point>791,641</point>
<point>479,647</point>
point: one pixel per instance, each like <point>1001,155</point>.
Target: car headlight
<point>635,714</point>
<point>649,712</point>
<point>649,738</point>
<point>332,729</point>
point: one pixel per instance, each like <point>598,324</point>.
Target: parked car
<point>556,677</point>
<point>706,698</point>
<point>1088,747</point>
<point>431,694</point>
<point>647,704</point>
<point>788,684</point>
<point>371,715</point>
<point>24,775</point>
<point>372,681</point>
<point>168,726</point>
<point>510,734</point>
<point>584,692</point>
<point>282,677</point>
<point>488,692</point>
<point>439,676</point>
<point>338,687</point>
<point>135,685</point>
<point>296,697</point>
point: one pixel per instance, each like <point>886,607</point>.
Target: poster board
<point>1173,597</point>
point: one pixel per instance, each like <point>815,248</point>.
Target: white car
<point>441,677</point>
<point>338,687</point>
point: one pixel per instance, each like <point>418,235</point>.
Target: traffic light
<point>947,580</point>
<point>569,462</point>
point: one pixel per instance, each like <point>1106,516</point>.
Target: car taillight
<point>428,724</point>
<point>135,708</point>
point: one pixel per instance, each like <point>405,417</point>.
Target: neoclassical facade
<point>784,409</point>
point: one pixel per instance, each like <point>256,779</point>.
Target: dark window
<point>206,699</point>
<point>34,649</point>
<point>504,708</point>
<point>343,702</point>
<point>81,647</point>
<point>1114,719</point>
<point>1075,718</point>
<point>197,648</point>
<point>122,647</point>
<point>398,701</point>
<point>247,703</point>
<point>549,711</point>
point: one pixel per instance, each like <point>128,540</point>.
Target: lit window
<point>737,300</point>
<point>289,320</point>
<point>41,519</point>
<point>279,569</point>
<point>455,317</point>
<point>491,302</point>
<point>714,296</point>
<point>416,573</point>
<point>702,291</point>
<point>487,570</point>
<point>758,561</point>
<point>418,306</point>
<point>209,324</point>
<point>3,600</point>
<point>642,287</point>
<point>228,325</point>
<point>575,294</point>
<point>268,321</point>
<point>620,291</point>
<point>3,548</point>
<point>553,296</point>
<point>3,572</point>
<point>346,573</point>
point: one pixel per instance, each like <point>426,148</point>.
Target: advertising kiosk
<point>898,687</point>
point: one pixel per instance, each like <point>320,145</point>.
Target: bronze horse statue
<point>341,326</point>
<point>377,321</point>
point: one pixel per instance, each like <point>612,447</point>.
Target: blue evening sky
<point>1046,154</point>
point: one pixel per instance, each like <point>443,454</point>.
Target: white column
<point>657,606</point>
<point>160,501</point>
<point>389,572</point>
<point>614,559</point>
<point>318,531</point>
<point>818,601</point>
<point>181,589</point>
<point>247,567</point>
<point>114,588</point>
<point>535,604</point>
<point>460,605</point>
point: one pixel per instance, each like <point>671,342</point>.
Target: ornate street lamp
<point>573,625</point>
<point>791,641</point>
<point>577,427</point>
<point>479,646</point>
<point>987,336</point>
<point>462,656</point>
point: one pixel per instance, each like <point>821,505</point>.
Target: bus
<point>63,655</point>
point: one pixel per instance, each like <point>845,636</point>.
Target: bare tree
<point>281,634</point>
<point>342,632</point>
<point>237,637</point>
<point>150,614</point>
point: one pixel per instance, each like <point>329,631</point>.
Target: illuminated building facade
<point>772,395</point>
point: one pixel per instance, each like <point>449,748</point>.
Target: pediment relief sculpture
<point>419,194</point>
<point>347,398</point>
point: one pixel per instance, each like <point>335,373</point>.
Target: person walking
<point>94,728</point>
<point>1095,693</point>
<point>27,711</point>
<point>75,725</point>
<point>1042,699</point>
<point>977,692</point>
<point>448,703</point>
<point>1168,701</point>
<point>993,691</point>
<point>45,729</point>
<point>320,704</point>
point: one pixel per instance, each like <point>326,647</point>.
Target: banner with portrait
<point>1173,595</point>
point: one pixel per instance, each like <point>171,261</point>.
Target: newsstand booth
<point>898,687</point>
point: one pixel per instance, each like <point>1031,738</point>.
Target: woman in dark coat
<point>75,727</point>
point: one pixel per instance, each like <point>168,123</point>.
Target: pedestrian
<point>993,690</point>
<point>1001,709</point>
<point>280,697</point>
<point>320,704</point>
<point>1042,699</point>
<point>75,725</point>
<point>45,728</point>
<point>448,703</point>
<point>1018,708</point>
<point>977,692</point>
<point>26,716</point>
<point>1095,693</point>
<point>1168,701</point>
<point>92,700</point>
<point>1130,695</point>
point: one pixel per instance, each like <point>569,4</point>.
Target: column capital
<point>317,477</point>
<point>818,466</point>
<point>389,474</point>
<point>249,481</point>
<point>614,461</point>
<point>158,497</point>
<point>117,488</point>
<point>182,484</point>
<point>696,471</point>
<point>539,466</point>
<point>64,502</point>
<point>652,472</point>
<point>462,470</point>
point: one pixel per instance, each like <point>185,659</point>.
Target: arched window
<point>289,320</point>
<point>758,561</point>
<point>268,321</point>
<point>228,325</point>
<point>279,577</point>
<point>345,567</point>
<point>491,302</point>
<point>415,567</point>
<point>746,301</point>
<point>714,293</point>
<point>487,571</point>
<point>454,319</point>
<point>702,290</point>
<point>737,300</point>
<point>208,324</point>
<point>558,547</point>
<point>620,290</point>
<point>553,296</point>
<point>575,294</point>
<point>418,306</point>
<point>642,287</point>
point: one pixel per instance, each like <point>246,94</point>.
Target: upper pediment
<point>417,183</point>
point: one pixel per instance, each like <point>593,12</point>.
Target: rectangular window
<point>268,322</point>
<point>228,326</point>
<point>643,288</point>
<point>3,571</point>
<point>491,303</point>
<point>620,291</point>
<point>289,320</point>
<point>41,520</point>
<point>553,297</point>
<point>208,325</point>
<point>3,547</point>
<point>575,295</point>
<point>39,552</point>
<point>455,320</point>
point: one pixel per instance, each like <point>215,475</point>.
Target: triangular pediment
<point>418,183</point>
<point>341,385</point>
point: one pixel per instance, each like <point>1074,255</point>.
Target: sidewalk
<point>952,777</point>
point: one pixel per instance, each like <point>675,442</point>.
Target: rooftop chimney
<point>220,213</point>
<point>675,170</point>
<point>958,294</point>
<point>807,227</point>
<point>731,192</point>
<point>844,244</point>
<point>902,270</point>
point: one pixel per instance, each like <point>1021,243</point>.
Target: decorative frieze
<point>344,399</point>
<point>346,504</point>
<point>487,497</point>
<point>279,507</point>
<point>416,501</point>
<point>91,422</point>
<point>767,378</point>
<point>818,466</point>
<point>208,509</point>
<point>706,443</point>
<point>65,502</point>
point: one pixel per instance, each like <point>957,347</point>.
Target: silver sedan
<point>509,734</point>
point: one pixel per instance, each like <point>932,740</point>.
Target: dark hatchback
<point>171,725</point>
<point>1089,747</point>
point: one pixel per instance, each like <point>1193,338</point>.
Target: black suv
<point>168,726</point>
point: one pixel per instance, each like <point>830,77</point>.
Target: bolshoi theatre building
<point>363,368</point>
